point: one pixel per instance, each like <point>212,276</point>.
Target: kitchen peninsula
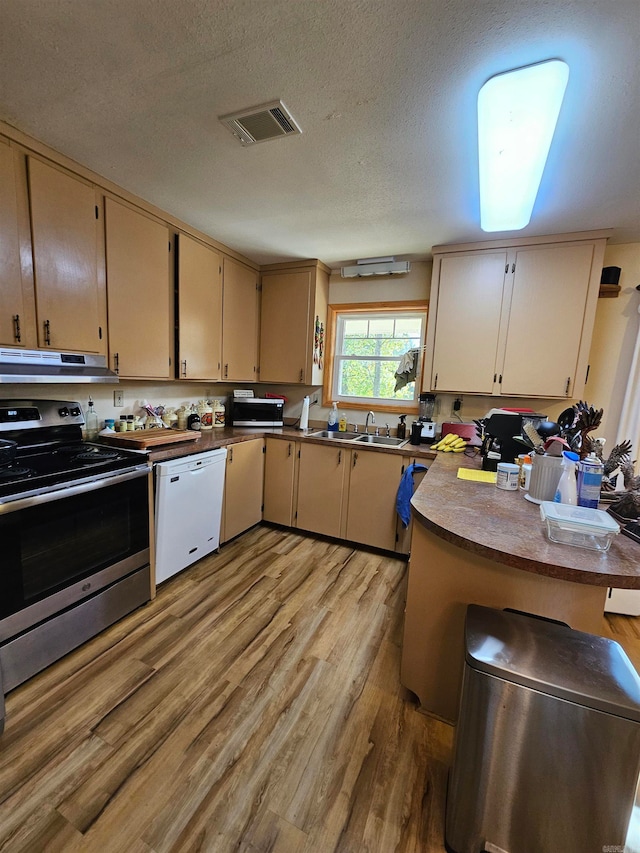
<point>474,543</point>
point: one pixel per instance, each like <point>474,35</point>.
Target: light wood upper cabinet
<point>468,321</point>
<point>321,481</point>
<point>279,481</point>
<point>243,485</point>
<point>64,228</point>
<point>513,319</point>
<point>239,322</point>
<point>139,293</point>
<point>546,320</point>
<point>292,299</point>
<point>17,306</point>
<point>373,485</point>
<point>199,310</point>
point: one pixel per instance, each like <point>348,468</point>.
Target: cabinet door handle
<point>301,374</point>
<point>226,370</point>
<point>16,322</point>
<point>230,455</point>
<point>500,379</point>
<point>355,458</point>
<point>184,368</point>
<point>495,376</point>
<point>47,333</point>
<point>289,449</point>
<point>566,390</point>
<point>116,362</point>
<point>339,457</point>
<point>435,382</point>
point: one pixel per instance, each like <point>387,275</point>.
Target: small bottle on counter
<point>401,429</point>
<point>131,425</point>
<point>122,423</point>
<point>91,425</point>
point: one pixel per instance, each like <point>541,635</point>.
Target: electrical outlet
<point>457,404</point>
<point>118,399</point>
<point>314,398</point>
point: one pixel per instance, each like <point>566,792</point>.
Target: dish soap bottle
<point>342,423</point>
<point>91,422</point>
<point>332,422</point>
<point>401,429</point>
<point>567,491</point>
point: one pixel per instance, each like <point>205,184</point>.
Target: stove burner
<point>14,471</point>
<point>96,454</point>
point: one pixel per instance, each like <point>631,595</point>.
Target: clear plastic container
<point>578,526</point>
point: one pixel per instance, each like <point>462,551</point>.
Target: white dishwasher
<point>188,510</point>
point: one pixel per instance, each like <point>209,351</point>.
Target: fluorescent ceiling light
<point>376,266</point>
<point>517,115</point>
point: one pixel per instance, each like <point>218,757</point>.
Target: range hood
<point>43,366</point>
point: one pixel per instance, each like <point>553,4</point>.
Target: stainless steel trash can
<point>547,751</point>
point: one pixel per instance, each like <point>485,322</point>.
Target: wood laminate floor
<point>255,705</point>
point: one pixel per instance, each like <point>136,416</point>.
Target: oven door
<point>63,546</point>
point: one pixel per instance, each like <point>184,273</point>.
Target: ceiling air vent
<point>259,124</point>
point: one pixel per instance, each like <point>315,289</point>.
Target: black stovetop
<point>38,468</point>
<point>50,451</point>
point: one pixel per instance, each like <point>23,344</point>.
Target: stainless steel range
<point>74,536</point>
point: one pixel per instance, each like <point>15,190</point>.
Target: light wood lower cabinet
<point>371,507</point>
<point>321,480</point>
<point>349,493</point>
<point>243,487</point>
<point>279,481</point>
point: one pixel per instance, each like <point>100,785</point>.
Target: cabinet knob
<point>16,323</point>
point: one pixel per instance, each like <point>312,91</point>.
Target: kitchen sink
<point>381,439</point>
<point>341,436</point>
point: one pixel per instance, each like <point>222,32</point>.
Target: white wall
<point>614,337</point>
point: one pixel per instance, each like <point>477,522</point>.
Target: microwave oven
<point>255,412</point>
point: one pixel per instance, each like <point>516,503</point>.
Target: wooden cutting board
<point>140,439</point>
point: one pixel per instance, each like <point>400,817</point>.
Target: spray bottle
<point>332,422</point>
<point>567,491</point>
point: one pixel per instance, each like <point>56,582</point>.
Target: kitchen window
<point>368,343</point>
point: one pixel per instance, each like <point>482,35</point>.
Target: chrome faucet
<point>366,423</point>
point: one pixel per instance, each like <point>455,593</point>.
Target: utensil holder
<point>545,475</point>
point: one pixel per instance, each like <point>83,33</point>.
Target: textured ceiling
<point>385,94</point>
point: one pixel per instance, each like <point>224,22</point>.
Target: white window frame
<point>372,312</point>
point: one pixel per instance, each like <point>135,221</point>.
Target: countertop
<point>506,528</point>
<point>225,436</point>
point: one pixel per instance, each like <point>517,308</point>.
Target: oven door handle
<point>68,491</point>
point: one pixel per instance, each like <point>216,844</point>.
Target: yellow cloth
<point>478,476</point>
